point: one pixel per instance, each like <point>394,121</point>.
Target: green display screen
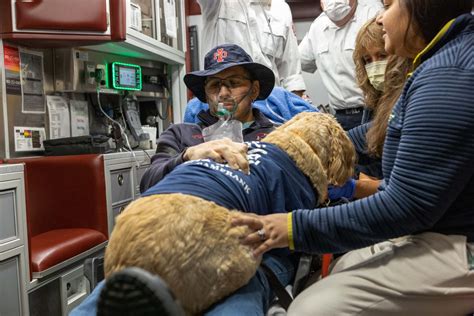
<point>126,76</point>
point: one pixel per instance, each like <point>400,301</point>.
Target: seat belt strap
<point>284,298</point>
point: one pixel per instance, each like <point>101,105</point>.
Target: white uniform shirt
<point>329,49</point>
<point>243,22</point>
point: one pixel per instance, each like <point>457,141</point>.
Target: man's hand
<point>269,231</point>
<point>221,150</point>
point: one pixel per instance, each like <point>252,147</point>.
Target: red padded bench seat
<point>55,246</point>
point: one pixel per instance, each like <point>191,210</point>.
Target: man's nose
<point>224,90</point>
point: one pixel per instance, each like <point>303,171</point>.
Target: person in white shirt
<point>263,28</point>
<point>328,47</point>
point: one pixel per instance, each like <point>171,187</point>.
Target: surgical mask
<point>376,73</point>
<point>336,10</point>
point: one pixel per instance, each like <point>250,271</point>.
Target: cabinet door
<point>13,297</point>
<point>142,16</point>
<point>12,214</point>
<point>10,300</point>
<point>121,185</point>
<point>59,15</point>
<point>138,175</point>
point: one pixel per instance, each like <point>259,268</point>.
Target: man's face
<point>232,87</point>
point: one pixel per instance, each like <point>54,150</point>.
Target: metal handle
<point>121,209</point>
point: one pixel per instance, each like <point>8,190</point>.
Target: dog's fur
<point>319,147</point>
<point>190,242</point>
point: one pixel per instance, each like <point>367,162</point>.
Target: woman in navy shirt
<point>418,232</point>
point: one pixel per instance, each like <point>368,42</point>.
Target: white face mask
<point>376,73</point>
<point>336,10</point>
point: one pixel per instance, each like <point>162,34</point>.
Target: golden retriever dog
<point>188,240</point>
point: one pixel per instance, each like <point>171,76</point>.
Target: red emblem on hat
<point>220,55</point>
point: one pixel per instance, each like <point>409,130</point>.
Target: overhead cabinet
<point>86,21</point>
<point>56,15</point>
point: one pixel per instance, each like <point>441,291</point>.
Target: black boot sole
<point>134,291</point>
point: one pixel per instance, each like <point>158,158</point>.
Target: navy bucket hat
<point>225,56</point>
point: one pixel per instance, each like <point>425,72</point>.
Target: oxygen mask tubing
<point>226,126</point>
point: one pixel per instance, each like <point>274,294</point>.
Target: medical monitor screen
<point>127,76</point>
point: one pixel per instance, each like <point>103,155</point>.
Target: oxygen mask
<point>222,112</point>
<point>225,109</point>
<point>226,127</point>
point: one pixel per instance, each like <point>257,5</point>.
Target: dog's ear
<point>329,141</point>
<point>319,146</point>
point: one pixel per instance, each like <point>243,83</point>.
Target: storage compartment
<point>116,210</point>
<point>121,184</point>
<point>169,23</point>
<point>123,173</point>
<point>94,270</point>
<point>46,300</point>
<point>59,15</point>
<point>12,209</point>
<point>10,289</point>
<point>61,23</point>
<point>74,289</point>
<point>142,16</point>
<point>8,217</point>
<point>60,292</point>
<point>13,249</point>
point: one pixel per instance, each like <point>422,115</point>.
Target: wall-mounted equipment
<point>79,70</point>
<point>132,116</point>
<point>125,76</point>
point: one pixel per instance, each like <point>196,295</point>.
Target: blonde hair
<point>370,35</point>
<point>395,77</point>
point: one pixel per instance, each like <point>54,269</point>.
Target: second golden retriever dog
<point>181,228</point>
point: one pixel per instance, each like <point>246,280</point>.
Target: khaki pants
<point>426,274</point>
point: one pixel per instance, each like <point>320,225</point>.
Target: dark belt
<point>350,111</point>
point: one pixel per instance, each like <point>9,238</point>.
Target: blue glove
<point>347,190</point>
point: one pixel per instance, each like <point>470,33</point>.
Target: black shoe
<point>134,291</point>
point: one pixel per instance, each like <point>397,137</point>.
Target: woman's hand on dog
<point>221,150</point>
<point>274,226</point>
